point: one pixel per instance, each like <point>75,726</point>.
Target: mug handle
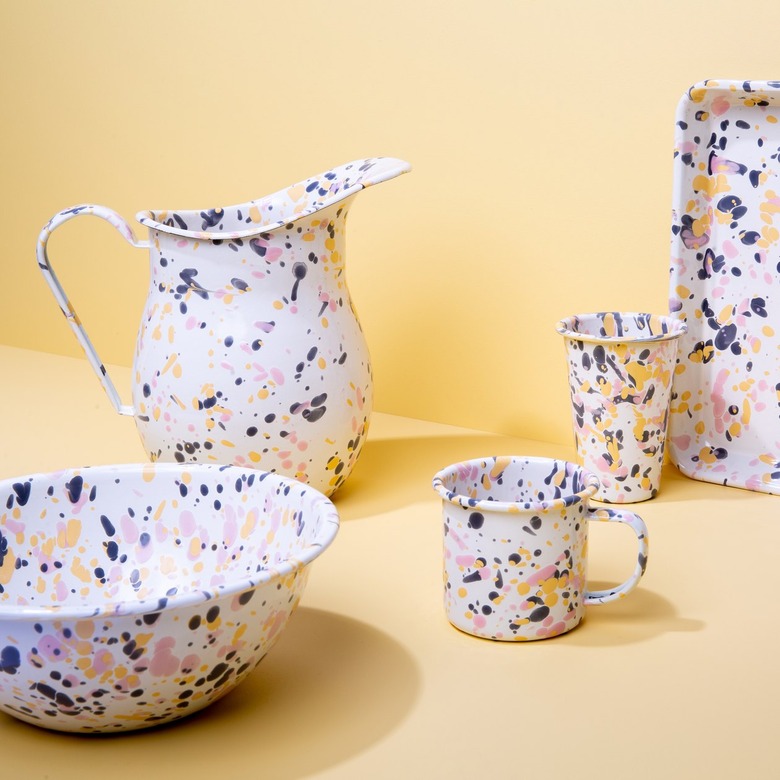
<point>636,523</point>
<point>62,299</point>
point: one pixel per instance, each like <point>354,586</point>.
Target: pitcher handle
<point>640,529</point>
<point>62,299</point>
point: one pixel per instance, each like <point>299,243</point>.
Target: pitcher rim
<point>390,168</point>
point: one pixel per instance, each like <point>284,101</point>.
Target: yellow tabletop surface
<point>679,679</point>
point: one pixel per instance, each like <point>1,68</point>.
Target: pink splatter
<point>143,553</point>
<point>164,662</point>
<point>76,508</point>
<point>543,574</point>
<point>187,523</point>
<point>553,630</point>
<point>14,526</point>
<point>129,529</point>
<point>718,399</point>
<point>270,254</point>
<point>729,249</point>
<point>681,442</point>
<point>720,105</point>
<point>50,647</point>
<point>103,660</point>
<point>275,623</point>
<point>465,560</point>
<point>461,544</point>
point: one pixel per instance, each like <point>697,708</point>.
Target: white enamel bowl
<point>135,595</point>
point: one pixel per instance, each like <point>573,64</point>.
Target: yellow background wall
<point>540,134</point>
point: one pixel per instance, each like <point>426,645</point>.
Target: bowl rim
<point>327,533</point>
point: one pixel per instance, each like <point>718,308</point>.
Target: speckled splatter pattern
<point>132,596</point>
<point>725,413</point>
<point>249,350</point>
<point>621,367</point>
<point>515,546</point>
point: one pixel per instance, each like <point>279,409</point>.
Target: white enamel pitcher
<point>249,351</point>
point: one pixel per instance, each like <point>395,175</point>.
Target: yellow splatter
<point>69,535</point>
<point>499,467</point>
<point>709,185</point>
<point>169,363</point>
<point>769,236</point>
<point>80,571</point>
<point>250,521</point>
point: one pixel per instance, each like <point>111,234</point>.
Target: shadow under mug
<point>515,546</point>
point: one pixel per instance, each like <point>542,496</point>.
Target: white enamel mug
<point>515,546</point>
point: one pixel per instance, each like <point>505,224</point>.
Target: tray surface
<point>725,282</point>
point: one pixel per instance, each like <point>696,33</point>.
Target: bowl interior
<point>132,538</point>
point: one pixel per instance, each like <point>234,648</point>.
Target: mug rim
<point>566,326</point>
<point>592,485</point>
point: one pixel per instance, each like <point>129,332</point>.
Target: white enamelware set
<point>134,595</point>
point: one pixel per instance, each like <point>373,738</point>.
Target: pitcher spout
<point>281,208</point>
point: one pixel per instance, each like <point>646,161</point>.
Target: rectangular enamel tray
<point>724,424</point>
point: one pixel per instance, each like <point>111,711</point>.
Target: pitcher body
<point>249,352</point>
